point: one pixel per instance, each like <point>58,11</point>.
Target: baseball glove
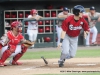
<point>28,43</point>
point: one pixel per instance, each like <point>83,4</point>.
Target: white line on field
<point>86,64</point>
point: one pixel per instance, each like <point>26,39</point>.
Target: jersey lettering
<point>71,27</point>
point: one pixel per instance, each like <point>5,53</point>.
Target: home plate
<point>86,64</point>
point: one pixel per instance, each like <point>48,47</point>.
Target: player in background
<point>71,28</point>
<point>32,29</point>
<point>92,26</point>
<point>11,44</point>
<point>64,14</point>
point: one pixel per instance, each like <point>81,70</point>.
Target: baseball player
<point>64,15</point>
<point>32,29</point>
<point>12,44</point>
<point>71,28</point>
<point>92,27</point>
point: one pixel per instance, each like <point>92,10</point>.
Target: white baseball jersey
<point>60,22</point>
<point>32,24</point>
<point>93,22</point>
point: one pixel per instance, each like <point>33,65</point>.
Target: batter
<point>71,28</point>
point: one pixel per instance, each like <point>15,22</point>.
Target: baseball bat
<point>44,60</point>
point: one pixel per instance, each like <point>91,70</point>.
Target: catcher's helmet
<point>33,11</point>
<point>92,8</point>
<point>77,9</point>
<point>15,23</point>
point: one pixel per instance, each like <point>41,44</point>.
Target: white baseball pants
<point>32,35</point>
<point>94,36</point>
<point>58,29</point>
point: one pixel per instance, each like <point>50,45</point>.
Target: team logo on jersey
<point>81,23</point>
<point>71,27</point>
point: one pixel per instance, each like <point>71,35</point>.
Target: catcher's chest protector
<point>14,39</point>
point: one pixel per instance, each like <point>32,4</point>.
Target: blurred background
<point>11,10</point>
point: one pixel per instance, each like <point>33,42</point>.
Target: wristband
<point>61,40</point>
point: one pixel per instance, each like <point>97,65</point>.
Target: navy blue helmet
<point>77,9</point>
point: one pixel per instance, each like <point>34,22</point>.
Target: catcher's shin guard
<point>14,61</point>
<point>4,56</point>
<point>8,52</point>
<point>18,56</point>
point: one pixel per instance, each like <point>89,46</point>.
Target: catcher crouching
<point>13,44</point>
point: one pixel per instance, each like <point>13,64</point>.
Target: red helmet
<point>33,11</point>
<point>15,23</point>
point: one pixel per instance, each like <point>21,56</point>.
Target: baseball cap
<point>65,9</point>
<point>92,8</point>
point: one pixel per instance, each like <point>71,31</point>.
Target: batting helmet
<point>15,23</point>
<point>33,11</point>
<point>77,9</point>
<point>92,8</point>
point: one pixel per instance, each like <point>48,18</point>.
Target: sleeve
<point>60,14</point>
<point>39,16</point>
<point>29,16</point>
<point>85,26</point>
<point>65,25</point>
<point>4,39</point>
<point>98,14</point>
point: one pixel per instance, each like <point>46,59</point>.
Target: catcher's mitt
<point>28,43</point>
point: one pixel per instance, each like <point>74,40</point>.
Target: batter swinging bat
<point>44,60</point>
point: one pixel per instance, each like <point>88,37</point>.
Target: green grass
<point>88,53</point>
<point>56,54</point>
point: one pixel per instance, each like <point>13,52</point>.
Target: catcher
<point>13,44</point>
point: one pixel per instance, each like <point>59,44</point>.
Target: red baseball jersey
<point>73,27</point>
<point>14,40</point>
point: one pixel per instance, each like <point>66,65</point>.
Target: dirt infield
<point>37,66</point>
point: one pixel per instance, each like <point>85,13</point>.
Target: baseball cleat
<point>94,44</point>
<point>60,62</point>
<point>61,65</point>
<point>2,64</point>
<point>15,63</point>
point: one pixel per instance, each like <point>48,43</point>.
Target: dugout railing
<point>54,23</point>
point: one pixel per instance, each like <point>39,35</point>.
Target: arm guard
<point>4,39</point>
